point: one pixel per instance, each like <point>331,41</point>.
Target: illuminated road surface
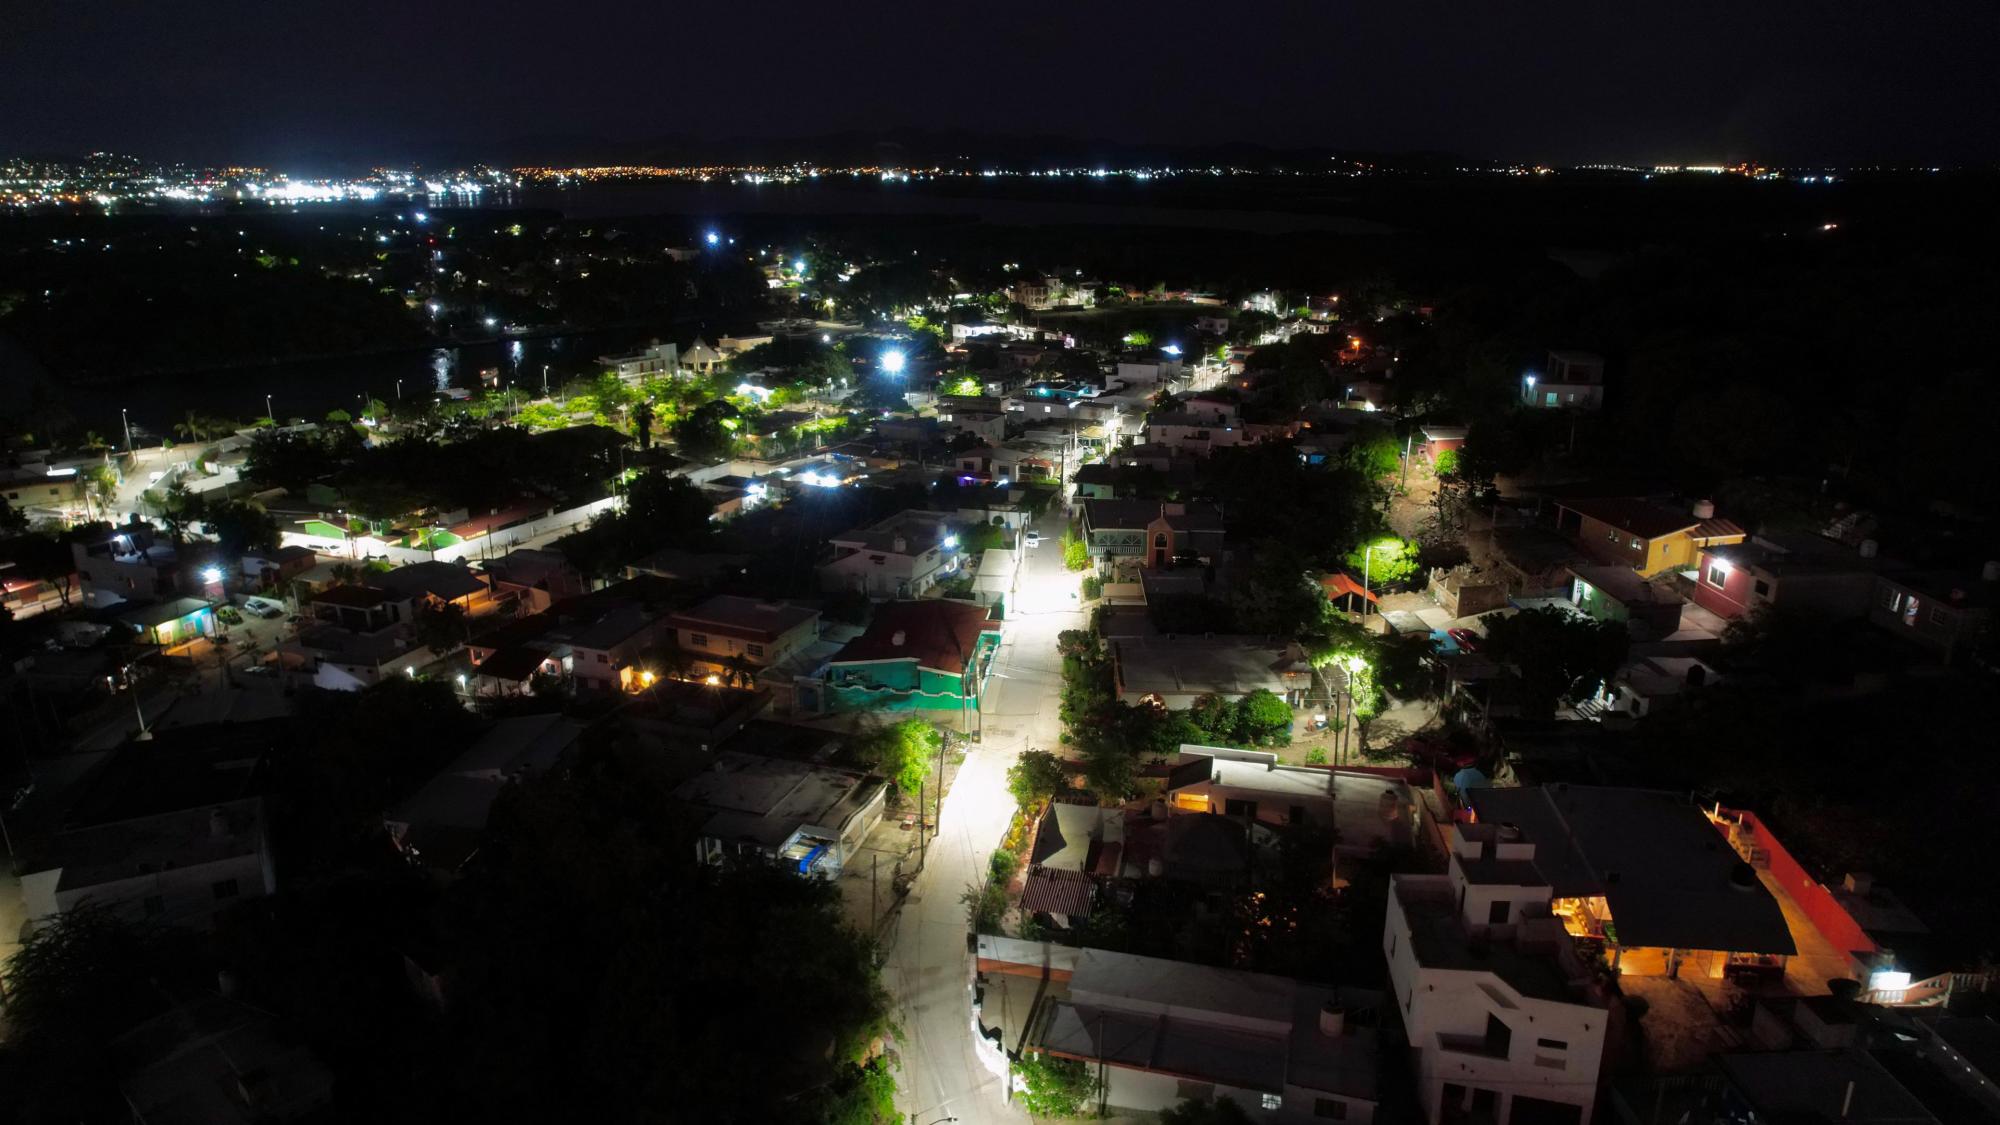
<point>928,968</point>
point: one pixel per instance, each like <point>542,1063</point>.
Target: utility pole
<point>1407,440</point>
<point>126,419</point>
<point>923,852</point>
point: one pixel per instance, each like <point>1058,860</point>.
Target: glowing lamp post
<point>1368,556</point>
<point>892,362</point>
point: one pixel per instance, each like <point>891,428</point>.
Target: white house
<point>1501,1013</point>
<point>812,816</point>
<point>900,557</point>
<point>650,363</point>
<point>1573,380</point>
<point>1192,433</point>
<point>178,867</point>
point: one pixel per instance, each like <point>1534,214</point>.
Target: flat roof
<point>1669,876</point>
<point>748,617</point>
<point>767,800</point>
<point>146,617</point>
<point>1846,1085</point>
<point>1440,941</point>
<point>1182,665</point>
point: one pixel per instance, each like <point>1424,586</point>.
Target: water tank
<point>902,545</point>
<point>1870,548</point>
<point>1991,571</point>
<point>898,638</point>
<point>1332,1020</point>
<point>1704,509</point>
<point>1155,868</point>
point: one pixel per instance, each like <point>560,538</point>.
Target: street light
<point>212,575</point>
<point>1368,556</point>
<point>268,412</point>
<point>892,362</point>
<point>128,428</point>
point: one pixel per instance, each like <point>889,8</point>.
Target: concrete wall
<point>187,893</point>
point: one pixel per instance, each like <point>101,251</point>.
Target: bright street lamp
<point>267,410</point>
<point>212,575</point>
<point>892,362</point>
<point>1368,556</point>
<point>128,428</point>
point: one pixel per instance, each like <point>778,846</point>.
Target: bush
<point>1034,778</point>
<point>1056,1087</point>
<point>1093,588</point>
<point>1002,866</point>
<point>985,906</point>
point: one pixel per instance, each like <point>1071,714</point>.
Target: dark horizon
<point>1565,84</point>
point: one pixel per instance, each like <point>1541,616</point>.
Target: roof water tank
<point>1704,509</point>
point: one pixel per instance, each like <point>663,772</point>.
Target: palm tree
<point>737,671</point>
<point>194,429</point>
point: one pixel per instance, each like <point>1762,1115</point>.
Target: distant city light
<point>714,239</point>
<point>422,216</point>
<point>492,322</point>
<point>1172,349</point>
<point>799,266</point>
<point>950,541</point>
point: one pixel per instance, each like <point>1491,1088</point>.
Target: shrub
<point>1093,588</point>
<point>1056,1087</point>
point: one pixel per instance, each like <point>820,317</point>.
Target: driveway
<point>927,969</point>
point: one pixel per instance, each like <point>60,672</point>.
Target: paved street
<point>927,969</point>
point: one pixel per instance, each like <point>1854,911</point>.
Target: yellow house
<point>1643,535</point>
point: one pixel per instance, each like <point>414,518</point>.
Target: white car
<point>263,609</point>
<point>1034,538</point>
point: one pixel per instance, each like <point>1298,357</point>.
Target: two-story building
<point>931,655</point>
<point>1501,1014</point>
<point>1156,532</point>
<point>1571,380</point>
<point>129,564</point>
<point>900,557</point>
<point>1197,434</point>
<point>1643,535</point>
<point>737,638</point>
<point>652,362</point>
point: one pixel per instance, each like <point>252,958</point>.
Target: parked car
<point>1034,538</point>
<point>1466,638</point>
<point>269,611</point>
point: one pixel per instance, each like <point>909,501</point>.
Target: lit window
<point>1716,576</point>
<point>1273,1101</point>
<point>756,651</point>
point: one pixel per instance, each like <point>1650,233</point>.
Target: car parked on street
<point>269,611</point>
<point>1034,538</point>
<point>1468,640</point>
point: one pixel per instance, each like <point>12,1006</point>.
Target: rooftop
<point>1184,665</point>
<point>1130,514</point>
<point>745,617</point>
<point>181,838</point>
<point>767,800</point>
<point>146,617</point>
<point>443,820</point>
<point>1441,941</point>
<point>194,1064</point>
<point>1647,520</point>
<point>1845,1085</point>
<point>936,633</point>
<point>1670,879</point>
<point>447,581</point>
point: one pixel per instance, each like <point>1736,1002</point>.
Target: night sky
<point>1802,81</point>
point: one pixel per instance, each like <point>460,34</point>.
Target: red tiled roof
<point>1338,585</point>
<point>935,633</point>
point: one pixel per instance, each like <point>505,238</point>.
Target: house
<point>930,655</point>
<point>734,637</point>
<point>812,816</point>
<point>900,557</point>
<point>1466,591</point>
<point>1615,593</point>
<point>128,564</point>
<point>1501,1013</point>
<point>440,825</point>
<point>532,579</point>
<point>1649,684</point>
<point>433,584</point>
<point>1174,671</point>
<point>1148,374</point>
<point>1573,380</point>
<point>653,362</point>
<point>700,357</point>
<point>172,623</point>
<point>1442,439</point>
<point>1196,434</point>
<point>1638,873</point>
<point>1643,535</point>
<point>40,489</point>
<point>1810,573</point>
<point>169,831</point>
<point>339,658</point>
<point>1156,531</point>
<point>1534,562</point>
<point>594,642</point>
<point>1368,810</point>
<point>274,570</point>
<point>1159,1032</point>
<point>1946,611</point>
<point>221,1062</point>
